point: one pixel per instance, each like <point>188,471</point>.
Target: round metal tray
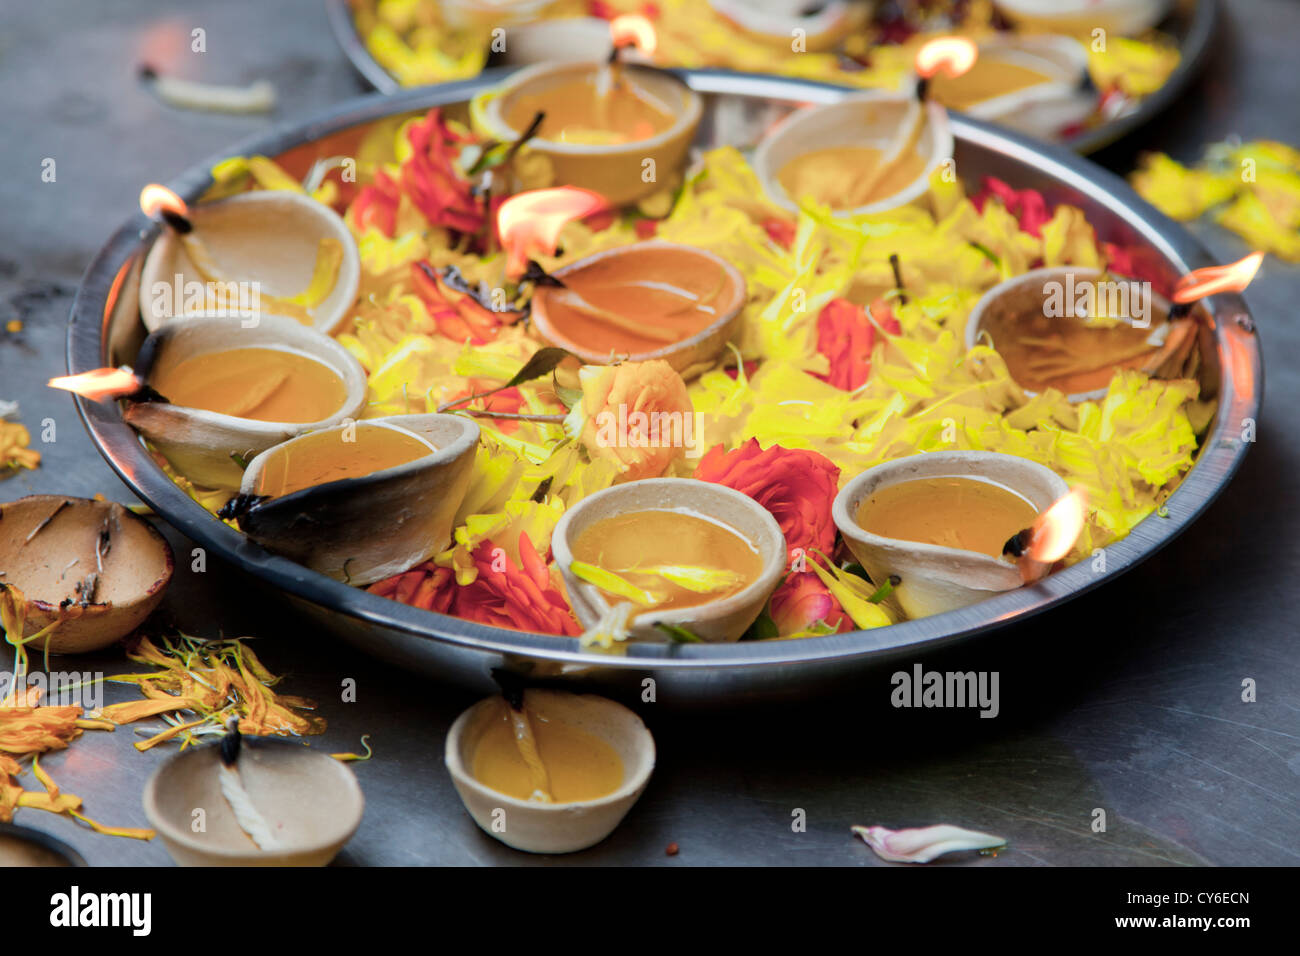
<point>1192,23</point>
<point>106,330</point>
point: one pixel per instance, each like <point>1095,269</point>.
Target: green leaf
<point>543,361</point>
<point>679,634</point>
<point>763,628</point>
<point>885,589</point>
<point>986,252</point>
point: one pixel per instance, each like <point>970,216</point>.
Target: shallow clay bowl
<point>934,578</point>
<point>311,801</point>
<point>613,170</point>
<point>721,620</point>
<point>689,356</point>
<point>1081,17</point>
<point>268,237</point>
<point>48,547</point>
<point>553,827</point>
<point>23,846</point>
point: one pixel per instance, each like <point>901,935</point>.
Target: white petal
<point>923,844</point>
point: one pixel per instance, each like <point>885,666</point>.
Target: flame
<point>154,198</point>
<point>953,55</point>
<point>529,223</point>
<point>632,29</point>
<point>1234,277</point>
<point>1057,528</point>
<point>99,384</point>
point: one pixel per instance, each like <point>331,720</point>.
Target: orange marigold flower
<point>846,336</point>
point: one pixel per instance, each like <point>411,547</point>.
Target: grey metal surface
<point>1127,701</point>
<point>1192,24</point>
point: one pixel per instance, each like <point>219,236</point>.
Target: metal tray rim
<point>1220,456</point>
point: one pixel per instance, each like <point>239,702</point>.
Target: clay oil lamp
<point>549,771</point>
<point>271,251</point>
<point>24,846</point>
<point>1035,84</point>
<point>773,22</point>
<point>90,572</point>
<point>687,555</point>
<point>267,802</point>
<point>605,123</point>
<point>1081,17</point>
<point>1071,328</point>
<point>363,500</point>
<point>212,392</point>
<point>939,526</point>
<point>869,152</point>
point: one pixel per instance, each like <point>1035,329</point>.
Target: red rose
<point>507,595</point>
<point>802,601</point>
<point>432,181</point>
<point>1027,205</point>
<point>795,484</point>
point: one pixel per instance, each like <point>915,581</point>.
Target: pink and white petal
<point>923,844</point>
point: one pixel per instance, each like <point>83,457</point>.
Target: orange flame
<point>632,29</point>
<point>155,198</point>
<point>529,223</point>
<point>953,55</point>
<point>1056,529</point>
<point>99,384</point>
<point>1233,277</point>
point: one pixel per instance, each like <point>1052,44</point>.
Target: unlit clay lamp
<point>361,501</point>
<point>554,772</point>
<point>938,525</point>
<point>270,251</point>
<point>91,569</point>
<point>618,129</point>
<point>684,553</point>
<point>649,300</point>
<point>230,391</point>
<point>819,26</point>
<point>265,802</point>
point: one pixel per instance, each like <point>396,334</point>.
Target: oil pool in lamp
<point>272,250</point>
<point>870,152</point>
<point>620,129</point>
<point>948,529</point>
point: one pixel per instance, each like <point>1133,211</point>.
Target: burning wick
<point>1199,283</point>
<point>529,223</point>
<point>232,788</point>
<point>953,55</point>
<point>1050,538</point>
<point>107,383</point>
<point>159,202</point>
<point>633,30</point>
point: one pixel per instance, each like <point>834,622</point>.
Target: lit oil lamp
<point>941,524</point>
<point>685,553</point>
<point>618,129</point>
<point>272,251</point>
<point>566,768</point>
<point>1036,84</point>
<point>1070,328</point>
<point>235,390</point>
<point>869,152</point>
<point>1082,17</point>
<point>363,500</point>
